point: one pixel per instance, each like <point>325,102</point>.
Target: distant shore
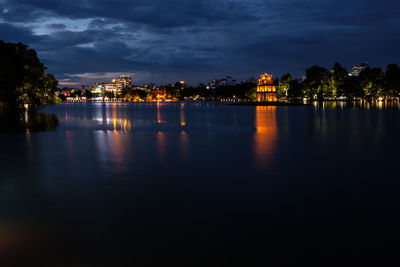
<point>250,103</point>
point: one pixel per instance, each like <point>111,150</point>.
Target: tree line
<point>23,79</point>
<point>245,91</point>
<point>319,83</point>
<point>323,84</point>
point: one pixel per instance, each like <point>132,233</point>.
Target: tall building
<point>126,80</point>
<point>266,90</point>
<point>359,68</point>
<point>114,87</point>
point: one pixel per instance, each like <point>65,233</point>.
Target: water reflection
<point>159,114</point>
<point>389,104</point>
<point>14,120</point>
<point>184,138</point>
<point>265,139</point>
<point>161,145</point>
<point>184,143</point>
<point>105,194</point>
<point>183,117</point>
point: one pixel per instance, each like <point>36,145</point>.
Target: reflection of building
<point>359,68</point>
<point>266,90</point>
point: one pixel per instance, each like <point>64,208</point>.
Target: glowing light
<point>266,90</point>
<point>183,117</point>
<point>266,136</point>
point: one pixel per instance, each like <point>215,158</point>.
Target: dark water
<point>202,185</point>
<point>21,120</point>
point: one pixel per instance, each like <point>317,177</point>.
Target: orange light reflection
<point>183,117</point>
<point>161,145</point>
<point>266,137</point>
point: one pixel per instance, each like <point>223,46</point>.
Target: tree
<point>283,85</point>
<point>351,88</point>
<point>135,95</point>
<point>338,78</point>
<point>22,77</point>
<point>392,81</point>
<point>109,95</point>
<point>317,82</point>
<point>295,89</point>
<point>88,94</point>
<point>371,81</point>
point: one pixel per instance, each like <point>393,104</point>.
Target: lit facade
<point>124,80</point>
<point>266,90</point>
<point>114,87</point>
<point>100,88</point>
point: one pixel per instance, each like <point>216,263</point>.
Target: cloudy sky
<point>200,40</point>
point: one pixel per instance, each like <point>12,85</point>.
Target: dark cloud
<point>16,34</point>
<point>200,40</point>
<point>56,26</point>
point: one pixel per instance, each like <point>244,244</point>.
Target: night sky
<point>200,40</point>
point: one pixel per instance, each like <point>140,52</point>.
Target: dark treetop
<point>22,77</point>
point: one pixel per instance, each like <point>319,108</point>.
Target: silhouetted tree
<point>392,81</point>
<point>371,81</point>
<point>22,77</point>
<point>295,89</point>
<point>317,82</point>
<point>338,77</point>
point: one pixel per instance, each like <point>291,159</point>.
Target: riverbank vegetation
<point>318,84</point>
<point>337,83</point>
<point>23,78</point>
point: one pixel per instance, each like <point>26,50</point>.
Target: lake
<point>202,184</point>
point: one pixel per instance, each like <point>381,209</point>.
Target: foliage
<point>391,83</point>
<point>283,85</point>
<point>317,82</point>
<point>22,77</point>
<point>241,91</point>
<point>321,84</point>
<point>135,95</point>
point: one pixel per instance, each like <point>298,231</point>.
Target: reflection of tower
<point>183,117</point>
<point>266,136</point>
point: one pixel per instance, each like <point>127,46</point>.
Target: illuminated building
<point>125,81</point>
<point>228,81</point>
<point>359,68</point>
<point>97,88</point>
<point>114,87</point>
<point>266,90</point>
<point>100,88</point>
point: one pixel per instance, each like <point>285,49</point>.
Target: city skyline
<point>200,41</point>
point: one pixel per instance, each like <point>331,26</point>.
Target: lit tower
<point>266,90</point>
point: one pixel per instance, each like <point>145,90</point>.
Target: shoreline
<point>251,103</point>
<point>267,104</point>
